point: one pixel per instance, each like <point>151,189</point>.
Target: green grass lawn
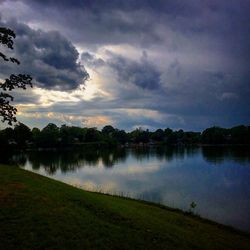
<point>39,213</point>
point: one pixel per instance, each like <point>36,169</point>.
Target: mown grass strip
<point>39,213</point>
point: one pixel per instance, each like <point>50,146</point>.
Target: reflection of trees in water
<point>216,154</point>
<point>191,151</point>
<point>167,153</point>
<point>141,153</point>
<point>19,159</point>
<point>219,154</point>
<point>70,160</point>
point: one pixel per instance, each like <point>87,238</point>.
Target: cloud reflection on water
<point>217,179</point>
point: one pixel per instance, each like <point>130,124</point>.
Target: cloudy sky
<point>131,63</point>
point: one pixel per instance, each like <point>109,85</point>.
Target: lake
<point>217,179</point>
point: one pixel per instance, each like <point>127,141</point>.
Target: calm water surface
<point>217,179</point>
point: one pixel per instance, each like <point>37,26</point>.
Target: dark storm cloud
<point>145,22</point>
<point>98,22</point>
<point>208,99</point>
<point>49,57</point>
<point>198,25</point>
<point>205,93</point>
<point>142,74</point>
<point>91,60</point>
<point>196,99</point>
<point>173,7</point>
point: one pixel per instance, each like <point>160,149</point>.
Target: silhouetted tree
<point>22,134</point>
<point>92,135</point>
<point>36,135</point>
<point>158,135</point>
<point>215,135</point>
<point>108,130</point>
<point>7,111</point>
<point>120,136</point>
<point>239,135</point>
<point>49,136</point>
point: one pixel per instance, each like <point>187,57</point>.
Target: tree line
<point>21,136</point>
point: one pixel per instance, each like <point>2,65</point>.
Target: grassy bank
<point>40,213</point>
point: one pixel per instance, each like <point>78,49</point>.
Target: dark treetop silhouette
<point>7,111</point>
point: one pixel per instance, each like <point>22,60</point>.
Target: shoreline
<point>100,145</point>
<point>62,214</point>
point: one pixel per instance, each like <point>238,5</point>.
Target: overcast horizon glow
<point>152,64</point>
